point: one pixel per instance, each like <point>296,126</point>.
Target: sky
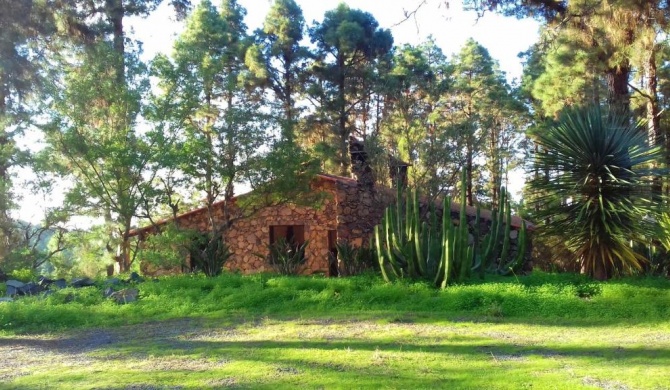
<point>449,25</point>
<point>445,21</point>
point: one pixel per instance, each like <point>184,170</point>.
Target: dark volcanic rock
<point>60,283</point>
<point>136,278</point>
<point>30,289</point>
<point>81,282</point>
<point>113,282</point>
<point>44,281</point>
<point>11,291</point>
<point>14,283</point>
<point>108,292</point>
<point>125,296</point>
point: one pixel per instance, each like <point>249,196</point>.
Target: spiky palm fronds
<point>595,188</point>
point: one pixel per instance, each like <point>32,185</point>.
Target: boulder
<point>11,291</point>
<point>113,282</point>
<point>125,296</point>
<point>14,283</point>
<point>43,281</point>
<point>135,278</point>
<point>81,282</point>
<point>30,289</point>
<point>6,299</point>
<point>60,283</point>
<point>108,292</point>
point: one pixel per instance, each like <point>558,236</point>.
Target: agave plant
<point>596,187</point>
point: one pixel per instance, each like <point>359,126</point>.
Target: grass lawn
<point>539,332</point>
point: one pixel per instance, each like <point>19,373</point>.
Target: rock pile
<point>44,286</point>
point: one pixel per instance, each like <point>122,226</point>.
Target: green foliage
<point>349,48</point>
<point>169,249</point>
<point>23,274</point>
<point>209,254</point>
<point>89,254</point>
<point>93,139</point>
<point>353,260</point>
<point>279,62</point>
<point>659,248</point>
<point>595,194</point>
<point>540,298</point>
<point>285,257</point>
<point>414,125</point>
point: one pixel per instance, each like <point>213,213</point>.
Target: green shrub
<point>169,249</point>
<point>209,254</point>
<point>23,274</point>
<point>354,260</point>
<point>287,258</point>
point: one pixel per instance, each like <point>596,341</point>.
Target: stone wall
<point>359,209</point>
<point>250,237</point>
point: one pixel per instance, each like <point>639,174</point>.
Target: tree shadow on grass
<point>325,360</point>
<point>195,336</point>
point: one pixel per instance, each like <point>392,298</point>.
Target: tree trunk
<point>618,96</point>
<point>496,169</point>
<point>289,126</point>
<point>653,119</point>
<point>601,271</point>
<point>115,13</point>
<point>468,173</point>
<point>126,261</point>
<point>342,120</point>
<point>4,140</point>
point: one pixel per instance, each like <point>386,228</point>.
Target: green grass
<point>543,331</point>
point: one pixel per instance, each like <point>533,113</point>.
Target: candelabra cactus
<point>408,246</point>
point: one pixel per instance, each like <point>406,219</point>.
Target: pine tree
<point>412,126</point>
<point>279,60</point>
<point>348,45</point>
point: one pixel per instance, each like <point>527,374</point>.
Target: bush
<point>287,258</point>
<point>23,274</point>
<point>354,260</point>
<point>209,254</point>
<point>167,250</point>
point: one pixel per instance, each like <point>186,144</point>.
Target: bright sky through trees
<point>450,26</point>
<point>444,20</point>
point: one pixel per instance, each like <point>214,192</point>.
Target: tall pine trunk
<point>653,118</point>
<point>342,120</point>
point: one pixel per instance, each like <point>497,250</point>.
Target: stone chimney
<point>360,165</point>
<point>398,172</point>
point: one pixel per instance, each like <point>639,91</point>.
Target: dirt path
<point>21,355</point>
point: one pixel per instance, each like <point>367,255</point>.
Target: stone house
<point>349,212</point>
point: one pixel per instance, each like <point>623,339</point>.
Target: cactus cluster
<point>409,247</point>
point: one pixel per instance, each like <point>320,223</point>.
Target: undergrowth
<point>540,298</point>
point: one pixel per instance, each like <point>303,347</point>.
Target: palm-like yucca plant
<point>595,189</point>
